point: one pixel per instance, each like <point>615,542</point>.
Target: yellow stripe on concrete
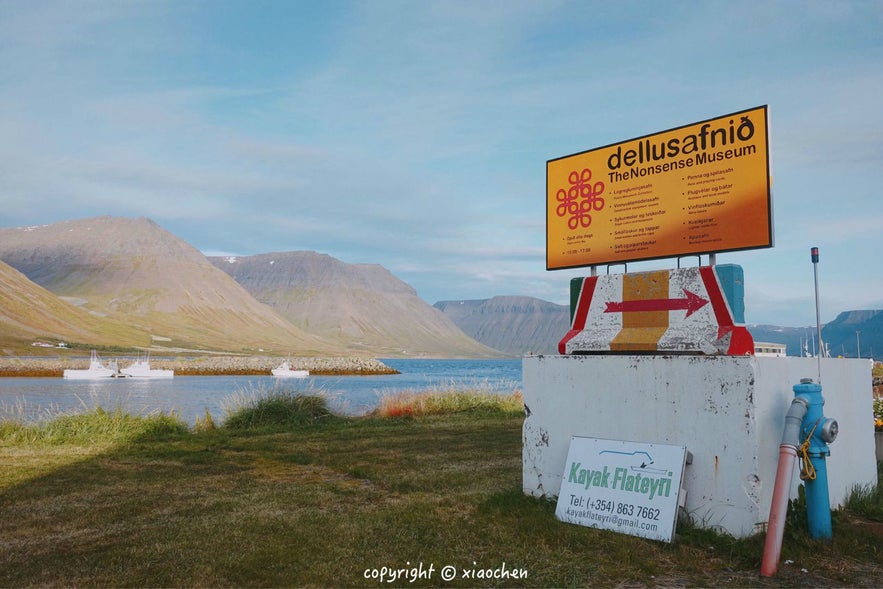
<point>641,330</point>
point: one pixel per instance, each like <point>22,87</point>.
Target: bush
<point>205,423</point>
<point>261,407</point>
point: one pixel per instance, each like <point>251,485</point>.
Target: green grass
<point>95,427</point>
<point>296,497</point>
<point>867,501</point>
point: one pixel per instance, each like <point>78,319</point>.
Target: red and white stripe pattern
<point>666,311</point>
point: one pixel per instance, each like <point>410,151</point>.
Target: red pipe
<point>772,548</point>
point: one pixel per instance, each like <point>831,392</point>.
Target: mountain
<point>839,335</point>
<point>127,282</point>
<point>135,272</point>
<point>357,306</point>
<point>30,313</point>
<point>852,330</point>
<point>794,338</point>
<point>516,325</point>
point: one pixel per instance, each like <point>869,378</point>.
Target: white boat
<point>96,370</point>
<point>284,371</point>
<point>141,369</point>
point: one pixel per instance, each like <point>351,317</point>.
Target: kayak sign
<point>626,487</point>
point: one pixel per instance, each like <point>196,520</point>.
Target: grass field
<point>286,494</point>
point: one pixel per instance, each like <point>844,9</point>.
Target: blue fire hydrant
<point>816,433</point>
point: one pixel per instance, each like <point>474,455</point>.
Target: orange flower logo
<point>579,200</point>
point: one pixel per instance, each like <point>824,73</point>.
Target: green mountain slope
<point>30,313</point>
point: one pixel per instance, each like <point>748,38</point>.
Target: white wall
<point>729,411</point>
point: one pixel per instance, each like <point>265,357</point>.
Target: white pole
<point>814,254</point>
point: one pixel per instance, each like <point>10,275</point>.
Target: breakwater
<point>201,365</point>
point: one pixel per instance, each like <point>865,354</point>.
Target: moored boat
<point>284,371</point>
<point>141,369</point>
<point>96,370</point>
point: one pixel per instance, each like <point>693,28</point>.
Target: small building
<point>770,350</point>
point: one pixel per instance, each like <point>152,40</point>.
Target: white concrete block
<point>729,411</point>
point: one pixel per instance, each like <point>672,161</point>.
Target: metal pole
<point>858,345</point>
<point>814,254</point>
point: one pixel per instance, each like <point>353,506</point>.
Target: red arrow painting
<point>691,303</point>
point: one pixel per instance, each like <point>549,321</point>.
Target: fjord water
<point>34,399</point>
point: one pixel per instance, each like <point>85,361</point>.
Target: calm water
<point>190,396</point>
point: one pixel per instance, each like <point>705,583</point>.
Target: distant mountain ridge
<point>839,335</point>
<point>135,272</point>
<point>519,325</point>
<point>151,286</point>
<point>360,306</point>
<point>855,331</point>
<point>127,282</point>
<point>516,325</point>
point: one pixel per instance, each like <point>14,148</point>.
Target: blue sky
<point>415,134</point>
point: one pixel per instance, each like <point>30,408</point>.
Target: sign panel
<point>696,189</point>
<point>698,310</point>
<point>625,487</point>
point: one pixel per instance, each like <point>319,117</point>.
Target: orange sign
<point>696,189</point>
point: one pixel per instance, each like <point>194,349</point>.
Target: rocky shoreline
<point>202,365</point>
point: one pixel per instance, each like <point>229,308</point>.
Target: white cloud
<point>415,135</point>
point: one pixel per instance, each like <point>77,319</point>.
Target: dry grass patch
<point>450,400</point>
